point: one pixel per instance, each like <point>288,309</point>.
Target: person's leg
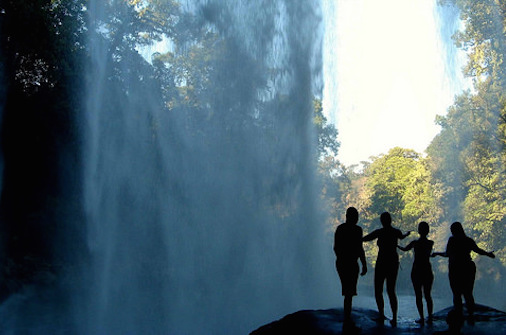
<point>427,288</point>
<point>455,284</point>
<point>468,288</point>
<point>419,300</point>
<point>342,277</point>
<point>349,277</point>
<point>417,287</point>
<point>430,304</point>
<point>347,307</point>
<point>391,282</point>
<point>379,279</point>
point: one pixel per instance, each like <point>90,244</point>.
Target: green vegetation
<point>462,177</point>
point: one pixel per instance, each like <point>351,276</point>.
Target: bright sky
<point>385,75</point>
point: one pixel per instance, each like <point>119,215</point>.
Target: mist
<point>206,225</point>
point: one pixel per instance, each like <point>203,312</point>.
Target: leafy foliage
<point>470,150</point>
<point>326,133</point>
<point>463,176</point>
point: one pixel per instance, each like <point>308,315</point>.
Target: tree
<point>469,156</point>
<point>335,178</point>
<point>326,132</point>
<point>400,183</point>
<point>42,52</point>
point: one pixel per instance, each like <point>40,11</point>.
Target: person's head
<point>457,230</point>
<point>386,219</point>
<point>351,215</point>
<point>423,228</point>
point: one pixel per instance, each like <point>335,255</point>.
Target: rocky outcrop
<point>487,321</point>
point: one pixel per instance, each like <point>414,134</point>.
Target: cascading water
<point>180,197</point>
<point>212,226</point>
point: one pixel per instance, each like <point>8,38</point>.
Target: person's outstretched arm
<point>403,236</point>
<point>442,254</point>
<point>480,251</point>
<point>371,236</point>
<point>408,247</point>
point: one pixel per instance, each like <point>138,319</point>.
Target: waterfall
<point>210,223</point>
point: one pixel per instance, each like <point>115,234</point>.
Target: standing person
<point>421,273</point>
<point>387,264</point>
<point>348,249</point>
<point>461,269</point>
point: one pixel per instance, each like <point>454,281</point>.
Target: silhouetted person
<point>387,264</point>
<point>421,272</point>
<point>349,249</point>
<point>461,269</point>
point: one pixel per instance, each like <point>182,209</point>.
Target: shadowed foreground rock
<point>318,322</point>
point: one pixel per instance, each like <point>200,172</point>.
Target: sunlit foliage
<point>463,176</point>
<point>472,134</point>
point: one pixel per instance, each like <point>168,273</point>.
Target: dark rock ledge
<point>487,321</point>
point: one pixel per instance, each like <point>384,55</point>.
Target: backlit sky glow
<point>386,75</point>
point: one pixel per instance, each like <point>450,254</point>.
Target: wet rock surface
<point>330,321</point>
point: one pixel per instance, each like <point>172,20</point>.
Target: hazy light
<point>385,75</point>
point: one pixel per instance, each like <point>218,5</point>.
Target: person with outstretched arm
<point>461,268</point>
<point>348,249</point>
<point>387,264</point>
<point>421,272</point>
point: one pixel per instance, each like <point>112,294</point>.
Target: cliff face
<point>487,321</point>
